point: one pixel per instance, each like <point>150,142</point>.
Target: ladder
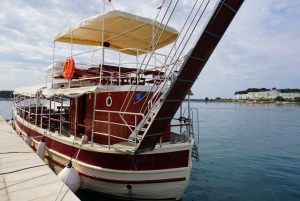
<point>195,153</point>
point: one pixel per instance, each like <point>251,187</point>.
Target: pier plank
<point>23,175</point>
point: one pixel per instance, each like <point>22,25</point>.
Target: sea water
<point>6,109</point>
<point>247,152</point>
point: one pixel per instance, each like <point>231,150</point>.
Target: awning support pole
<point>61,108</point>
<point>76,116</point>
<point>93,122</point>
<point>53,64</point>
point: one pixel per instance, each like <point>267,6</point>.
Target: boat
<point>107,111</point>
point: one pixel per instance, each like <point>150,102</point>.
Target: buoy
<point>41,149</point>
<point>69,68</point>
<point>11,122</point>
<point>28,140</point>
<point>70,177</point>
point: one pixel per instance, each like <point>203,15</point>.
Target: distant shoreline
<point>245,102</point>
<point>6,99</point>
<point>267,102</point>
<point>215,101</point>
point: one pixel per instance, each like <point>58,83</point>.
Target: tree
<point>6,94</point>
<point>218,98</point>
<point>206,99</point>
<point>289,90</point>
<point>264,89</point>
<point>279,98</point>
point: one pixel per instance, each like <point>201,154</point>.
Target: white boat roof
<point>70,92</point>
<point>29,90</point>
<point>122,30</point>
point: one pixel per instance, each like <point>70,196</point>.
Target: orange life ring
<point>69,68</point>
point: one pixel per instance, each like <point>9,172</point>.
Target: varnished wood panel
<point>118,98</point>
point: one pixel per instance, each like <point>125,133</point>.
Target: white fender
<point>28,140</point>
<point>11,122</point>
<point>41,149</point>
<point>70,177</point>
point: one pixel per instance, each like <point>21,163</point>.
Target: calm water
<point>6,109</point>
<point>247,152</point>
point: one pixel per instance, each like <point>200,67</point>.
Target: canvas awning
<point>121,30</point>
<point>29,90</point>
<point>70,92</point>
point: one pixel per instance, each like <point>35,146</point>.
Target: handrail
<point>192,109</point>
<point>104,134</point>
<point>175,125</point>
<point>118,112</point>
<point>57,120</point>
<point>114,123</point>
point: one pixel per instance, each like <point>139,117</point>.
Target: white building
<point>268,95</point>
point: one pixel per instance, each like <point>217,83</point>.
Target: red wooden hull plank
<point>169,160</point>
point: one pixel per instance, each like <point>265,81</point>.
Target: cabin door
<point>78,111</point>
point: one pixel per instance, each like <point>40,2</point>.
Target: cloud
<point>259,49</point>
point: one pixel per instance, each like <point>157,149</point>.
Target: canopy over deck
<point>29,90</point>
<point>121,30</point>
<point>69,92</point>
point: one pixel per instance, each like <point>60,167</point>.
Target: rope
<point>117,4</point>
<point>16,152</point>
<point>88,13</point>
<point>72,15</point>
<point>26,180</point>
<point>75,161</point>
<point>22,169</point>
<point>142,63</point>
<point>8,131</point>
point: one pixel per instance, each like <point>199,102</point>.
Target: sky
<point>260,49</point>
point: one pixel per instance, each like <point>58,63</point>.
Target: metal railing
<point>109,123</point>
<point>127,63</point>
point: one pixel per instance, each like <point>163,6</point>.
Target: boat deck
<point>23,175</point>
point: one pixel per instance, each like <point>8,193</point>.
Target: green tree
<point>206,99</point>
<point>279,98</point>
<point>6,94</point>
<point>297,99</point>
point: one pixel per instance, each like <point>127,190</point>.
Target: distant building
<point>268,95</point>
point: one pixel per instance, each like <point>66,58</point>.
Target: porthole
<point>108,101</point>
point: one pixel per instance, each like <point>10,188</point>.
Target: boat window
<point>108,101</point>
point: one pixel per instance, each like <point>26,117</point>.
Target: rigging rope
<point>142,63</point>
<point>72,15</point>
<point>117,4</point>
<point>76,162</point>
<point>88,12</point>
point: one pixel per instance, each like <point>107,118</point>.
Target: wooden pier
<point>23,175</point>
